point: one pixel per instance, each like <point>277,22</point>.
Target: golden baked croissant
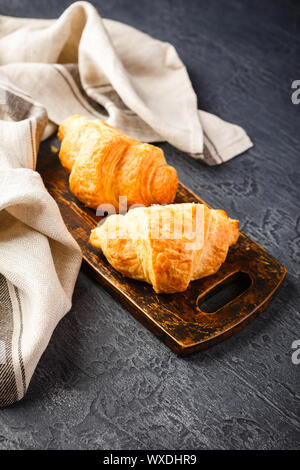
<point>105,164</point>
<point>167,246</point>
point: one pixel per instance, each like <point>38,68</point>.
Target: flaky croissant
<point>105,164</point>
<point>167,246</point>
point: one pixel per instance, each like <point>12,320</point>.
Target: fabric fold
<point>50,70</point>
<point>39,260</point>
<point>108,70</point>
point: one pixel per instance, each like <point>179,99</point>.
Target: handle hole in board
<point>224,292</point>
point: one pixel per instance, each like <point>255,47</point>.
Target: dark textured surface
<point>107,382</point>
<point>176,319</point>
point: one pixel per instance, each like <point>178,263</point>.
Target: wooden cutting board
<point>209,311</point>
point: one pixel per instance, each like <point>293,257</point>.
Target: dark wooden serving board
<point>177,319</point>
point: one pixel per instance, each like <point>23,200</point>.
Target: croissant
<point>105,164</point>
<point>167,246</point>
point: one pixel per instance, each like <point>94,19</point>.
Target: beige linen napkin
<point>49,70</point>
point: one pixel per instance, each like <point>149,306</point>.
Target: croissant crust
<point>105,164</point>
